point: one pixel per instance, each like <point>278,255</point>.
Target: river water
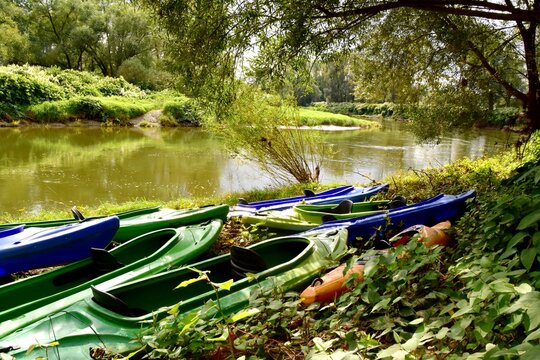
<point>60,167</point>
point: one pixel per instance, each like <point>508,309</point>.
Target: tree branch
<point>472,8</point>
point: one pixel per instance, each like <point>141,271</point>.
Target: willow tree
<point>213,37</point>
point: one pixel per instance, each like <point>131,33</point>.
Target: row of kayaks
<point>103,299</point>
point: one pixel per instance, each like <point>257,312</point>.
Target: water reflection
<point>59,167</point>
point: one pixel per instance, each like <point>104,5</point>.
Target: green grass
<point>311,117</point>
<point>104,109</point>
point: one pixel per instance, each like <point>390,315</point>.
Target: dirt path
<point>151,117</point>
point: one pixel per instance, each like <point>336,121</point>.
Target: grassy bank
<point>33,94</point>
<point>312,117</point>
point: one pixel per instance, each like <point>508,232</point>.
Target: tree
<point>13,43</point>
<point>217,35</point>
<point>52,26</point>
<point>88,34</point>
<point>334,79</point>
<point>123,32</point>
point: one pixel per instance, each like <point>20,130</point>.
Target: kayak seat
<point>344,207</point>
<point>244,260</point>
<point>115,304</point>
<point>309,193</point>
<point>397,202</point>
<point>103,261</point>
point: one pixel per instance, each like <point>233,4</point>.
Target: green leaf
<point>484,327</point>
<point>536,240</point>
<point>533,336</point>
<point>527,257</point>
<point>516,319</point>
<point>516,239</point>
<point>223,337</point>
<point>190,281</point>
<point>371,267</point>
<point>381,304</point>
<point>417,321</point>
<point>442,333</point>
<point>395,352</point>
<point>224,285</point>
<point>530,220</point>
<point>173,310</point>
<point>534,316</point>
<point>531,354</point>
<point>243,314</point>
<point>189,324</point>
<point>323,345</point>
<point>464,310</point>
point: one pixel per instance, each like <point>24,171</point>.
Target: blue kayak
<point>24,248</point>
<point>331,196</point>
<point>428,212</point>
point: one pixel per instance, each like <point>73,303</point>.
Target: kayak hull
<point>34,248</point>
<point>354,194</point>
<point>303,217</point>
<point>292,262</point>
<point>315,213</point>
<point>429,212</point>
<point>134,223</point>
<point>28,300</point>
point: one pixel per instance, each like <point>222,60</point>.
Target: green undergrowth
<point>114,110</point>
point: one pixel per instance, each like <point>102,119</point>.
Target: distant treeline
<point>499,117</point>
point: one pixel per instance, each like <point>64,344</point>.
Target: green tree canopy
<point>214,38</point>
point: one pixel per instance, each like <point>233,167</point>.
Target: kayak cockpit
<point>142,297</point>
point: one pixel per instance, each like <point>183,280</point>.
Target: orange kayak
<point>333,284</point>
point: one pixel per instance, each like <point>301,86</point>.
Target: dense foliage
<point>181,111</point>
<point>54,95</point>
<point>384,109</point>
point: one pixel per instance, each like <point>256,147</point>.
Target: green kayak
<point>344,210</point>
<point>26,301</point>
<point>303,217</point>
<point>113,317</point>
<point>137,222</point>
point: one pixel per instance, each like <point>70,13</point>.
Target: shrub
<point>503,116</point>
<point>51,111</point>
<point>109,86</point>
<point>350,108</point>
<point>184,110</point>
<point>21,89</point>
<point>88,108</point>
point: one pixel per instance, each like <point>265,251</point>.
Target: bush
<point>503,116</point>
<point>108,86</point>
<point>88,108</point>
<point>51,111</point>
<point>22,89</point>
<point>184,110</point>
<point>349,108</point>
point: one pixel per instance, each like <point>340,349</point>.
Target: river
<point>56,168</point>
